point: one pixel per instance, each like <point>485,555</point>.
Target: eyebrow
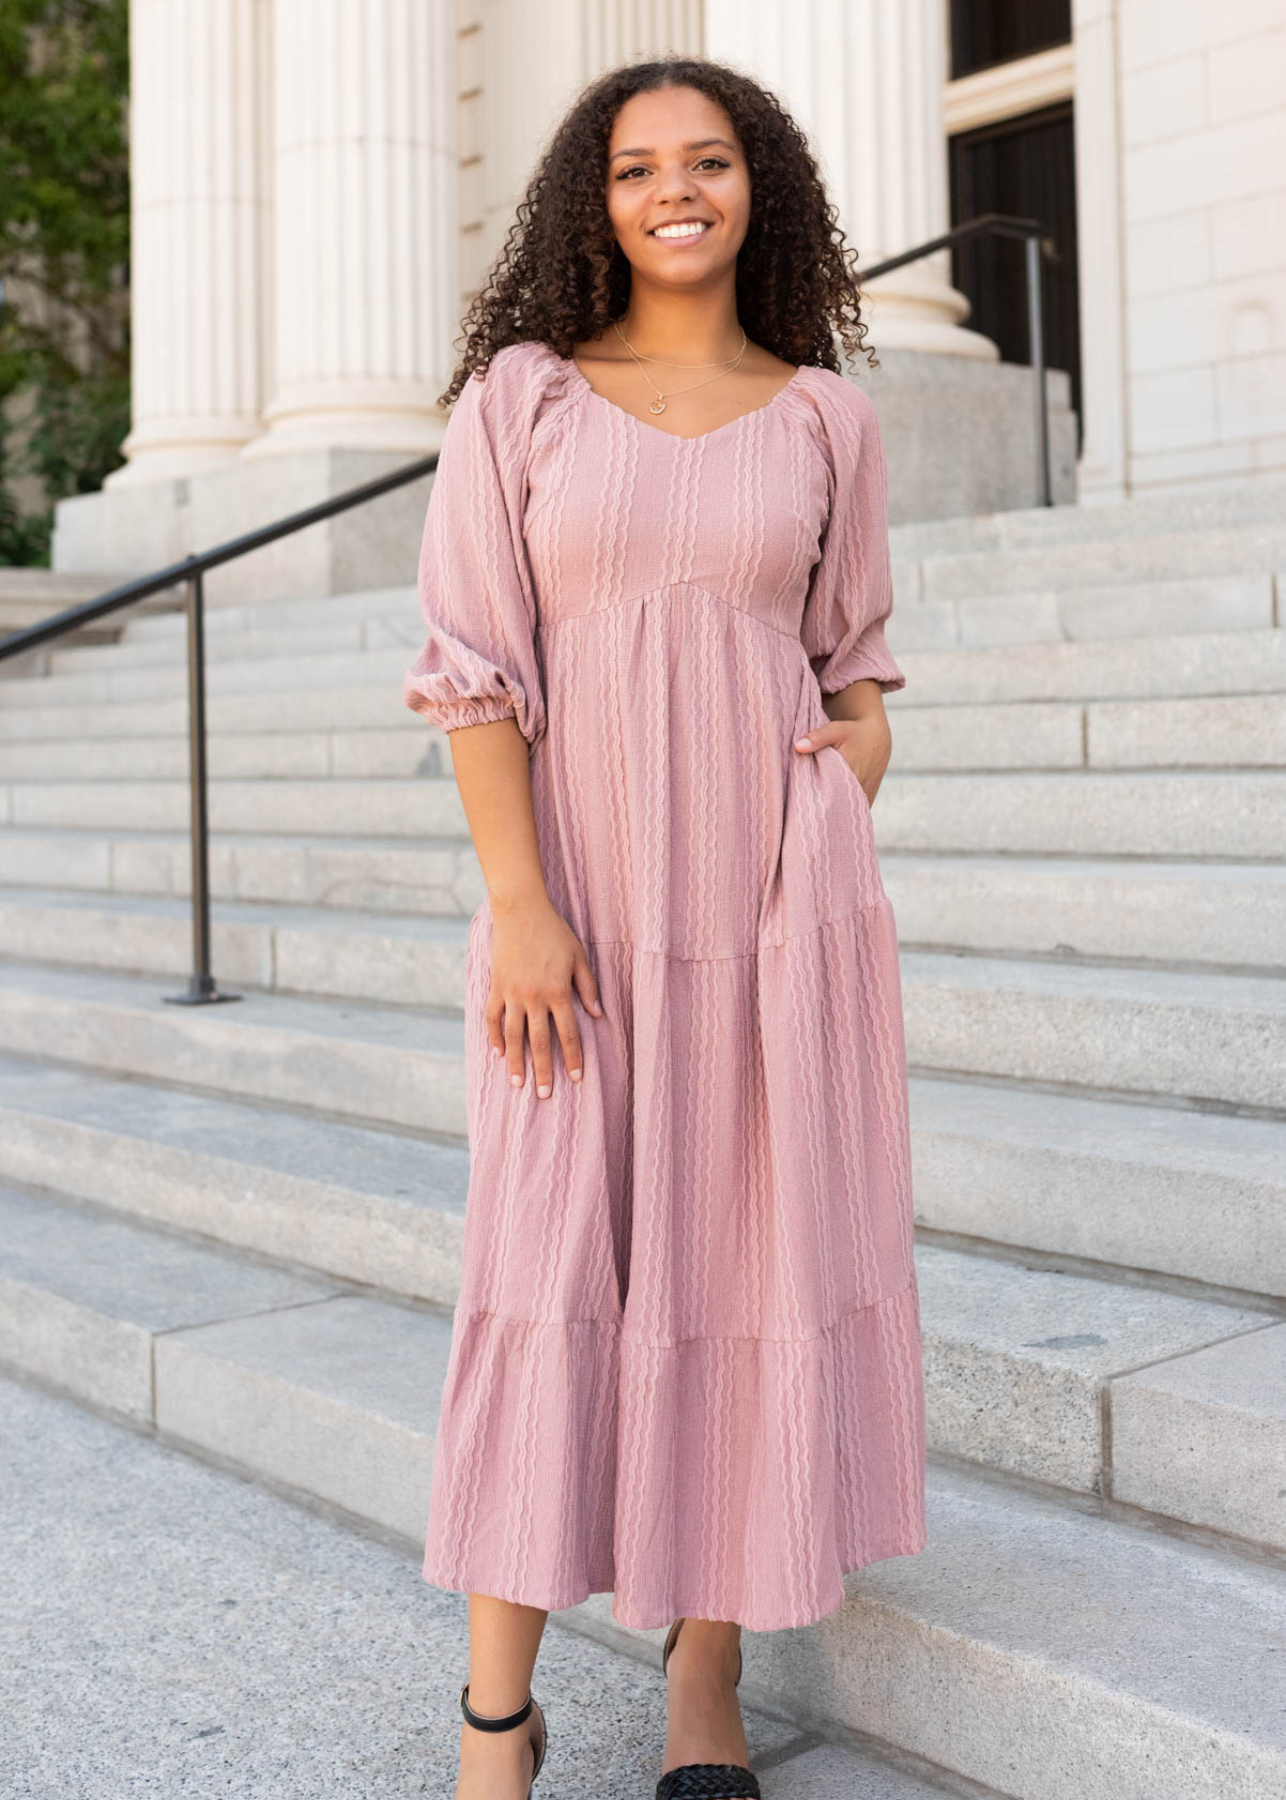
<point>699,144</point>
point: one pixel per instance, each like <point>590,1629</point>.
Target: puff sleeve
<point>480,660</point>
<point>850,592</point>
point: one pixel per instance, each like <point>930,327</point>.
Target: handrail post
<point>1036,345</point>
<point>202,989</point>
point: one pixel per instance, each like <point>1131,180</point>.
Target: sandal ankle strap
<point>493,1721</point>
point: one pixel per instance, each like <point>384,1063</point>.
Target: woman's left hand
<point>865,743</point>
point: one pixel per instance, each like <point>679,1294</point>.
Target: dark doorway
<point>987,32</point>
<point>1024,166</point>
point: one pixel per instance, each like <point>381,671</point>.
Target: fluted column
<point>532,61</point>
<point>365,269</point>
<point>865,80</point>
<point>197,97</point>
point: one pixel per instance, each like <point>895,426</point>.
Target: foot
<point>497,1765</point>
<point>704,1720</point>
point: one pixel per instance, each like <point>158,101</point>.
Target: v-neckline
<point>680,437</point>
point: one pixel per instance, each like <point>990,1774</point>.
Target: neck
<point>680,328</point>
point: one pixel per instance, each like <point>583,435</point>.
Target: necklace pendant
<point>657,406</point>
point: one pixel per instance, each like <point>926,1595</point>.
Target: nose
<point>675,183</point>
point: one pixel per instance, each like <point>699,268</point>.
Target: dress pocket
<point>848,770</point>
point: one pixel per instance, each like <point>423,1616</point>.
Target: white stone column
<point>196,127</point>
<point>365,275</point>
<point>865,79</point>
<point>531,61</point>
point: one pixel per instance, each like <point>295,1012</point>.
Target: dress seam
<point>617,1325</point>
<point>742,612</point>
<point>795,937</point>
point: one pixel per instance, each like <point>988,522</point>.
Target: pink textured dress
<point>686,1361</point>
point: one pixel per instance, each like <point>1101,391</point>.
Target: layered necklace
<point>658,405</point>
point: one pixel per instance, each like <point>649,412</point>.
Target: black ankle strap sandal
<point>705,1781</point>
<point>507,1722</point>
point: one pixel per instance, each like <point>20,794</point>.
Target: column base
<point>134,529</point>
<point>960,434</point>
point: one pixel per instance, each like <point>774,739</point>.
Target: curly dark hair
<point>562,277</point>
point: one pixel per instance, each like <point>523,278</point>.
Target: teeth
<point>692,229</point>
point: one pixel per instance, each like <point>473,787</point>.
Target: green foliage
<point>64,255</point>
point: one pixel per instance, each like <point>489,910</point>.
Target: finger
<point>813,740</point>
<point>492,1016</point>
<point>569,1038</point>
<point>586,985</point>
<point>541,1061</point>
<point>515,1019</point>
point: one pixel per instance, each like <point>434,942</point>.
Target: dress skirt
<point>685,1364</point>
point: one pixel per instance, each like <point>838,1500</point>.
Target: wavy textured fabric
<point>685,1364</point>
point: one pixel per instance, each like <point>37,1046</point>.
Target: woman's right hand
<point>537,963</point>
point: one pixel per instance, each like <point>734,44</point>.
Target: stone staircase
<point>239,1226</point>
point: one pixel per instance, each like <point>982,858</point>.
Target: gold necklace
<point>658,405</point>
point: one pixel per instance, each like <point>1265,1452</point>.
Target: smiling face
<point>678,188</point>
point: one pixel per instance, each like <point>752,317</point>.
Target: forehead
<point>672,118</point>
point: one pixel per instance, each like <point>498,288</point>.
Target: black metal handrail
<point>202,989</point>
<point>1038,242</point>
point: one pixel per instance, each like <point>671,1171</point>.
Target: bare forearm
<point>859,700</point>
<point>493,774</point>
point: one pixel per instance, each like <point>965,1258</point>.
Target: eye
<point>718,162</point>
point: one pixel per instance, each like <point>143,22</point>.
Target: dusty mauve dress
<point>685,1365</point>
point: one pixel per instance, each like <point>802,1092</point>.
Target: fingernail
<point>802,743</point>
<point>496,1050</point>
<point>515,1081</point>
<point>576,1074</point>
<point>542,1091</point>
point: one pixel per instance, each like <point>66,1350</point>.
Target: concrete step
<point>1196,1196</point>
<point>1149,666</point>
<point>1194,915</point>
<point>429,877</point>
<point>279,630</point>
<point>365,1064</point>
<point>243,755</point>
<point>1096,1620</point>
<point>1160,667</point>
<point>357,706</point>
<point>1171,1034</point>
<point>417,961</point>
<point>1224,915</point>
<point>1248,731</point>
<point>1166,1189</point>
<point>1195,1037</point>
<point>1059,613</point>
<point>429,807</point>
<point>295,614</point>
<point>1243,505</point>
<point>1021,1366</point>
<point>1196,813</point>
<point>86,1298</point>
<point>1061,608</point>
<point>377,1208</point>
<point>1019,1361</point>
<point>1176,551</point>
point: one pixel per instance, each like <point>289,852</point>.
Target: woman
<point>685,1365</point>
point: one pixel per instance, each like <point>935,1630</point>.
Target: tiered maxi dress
<point>685,1363</point>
